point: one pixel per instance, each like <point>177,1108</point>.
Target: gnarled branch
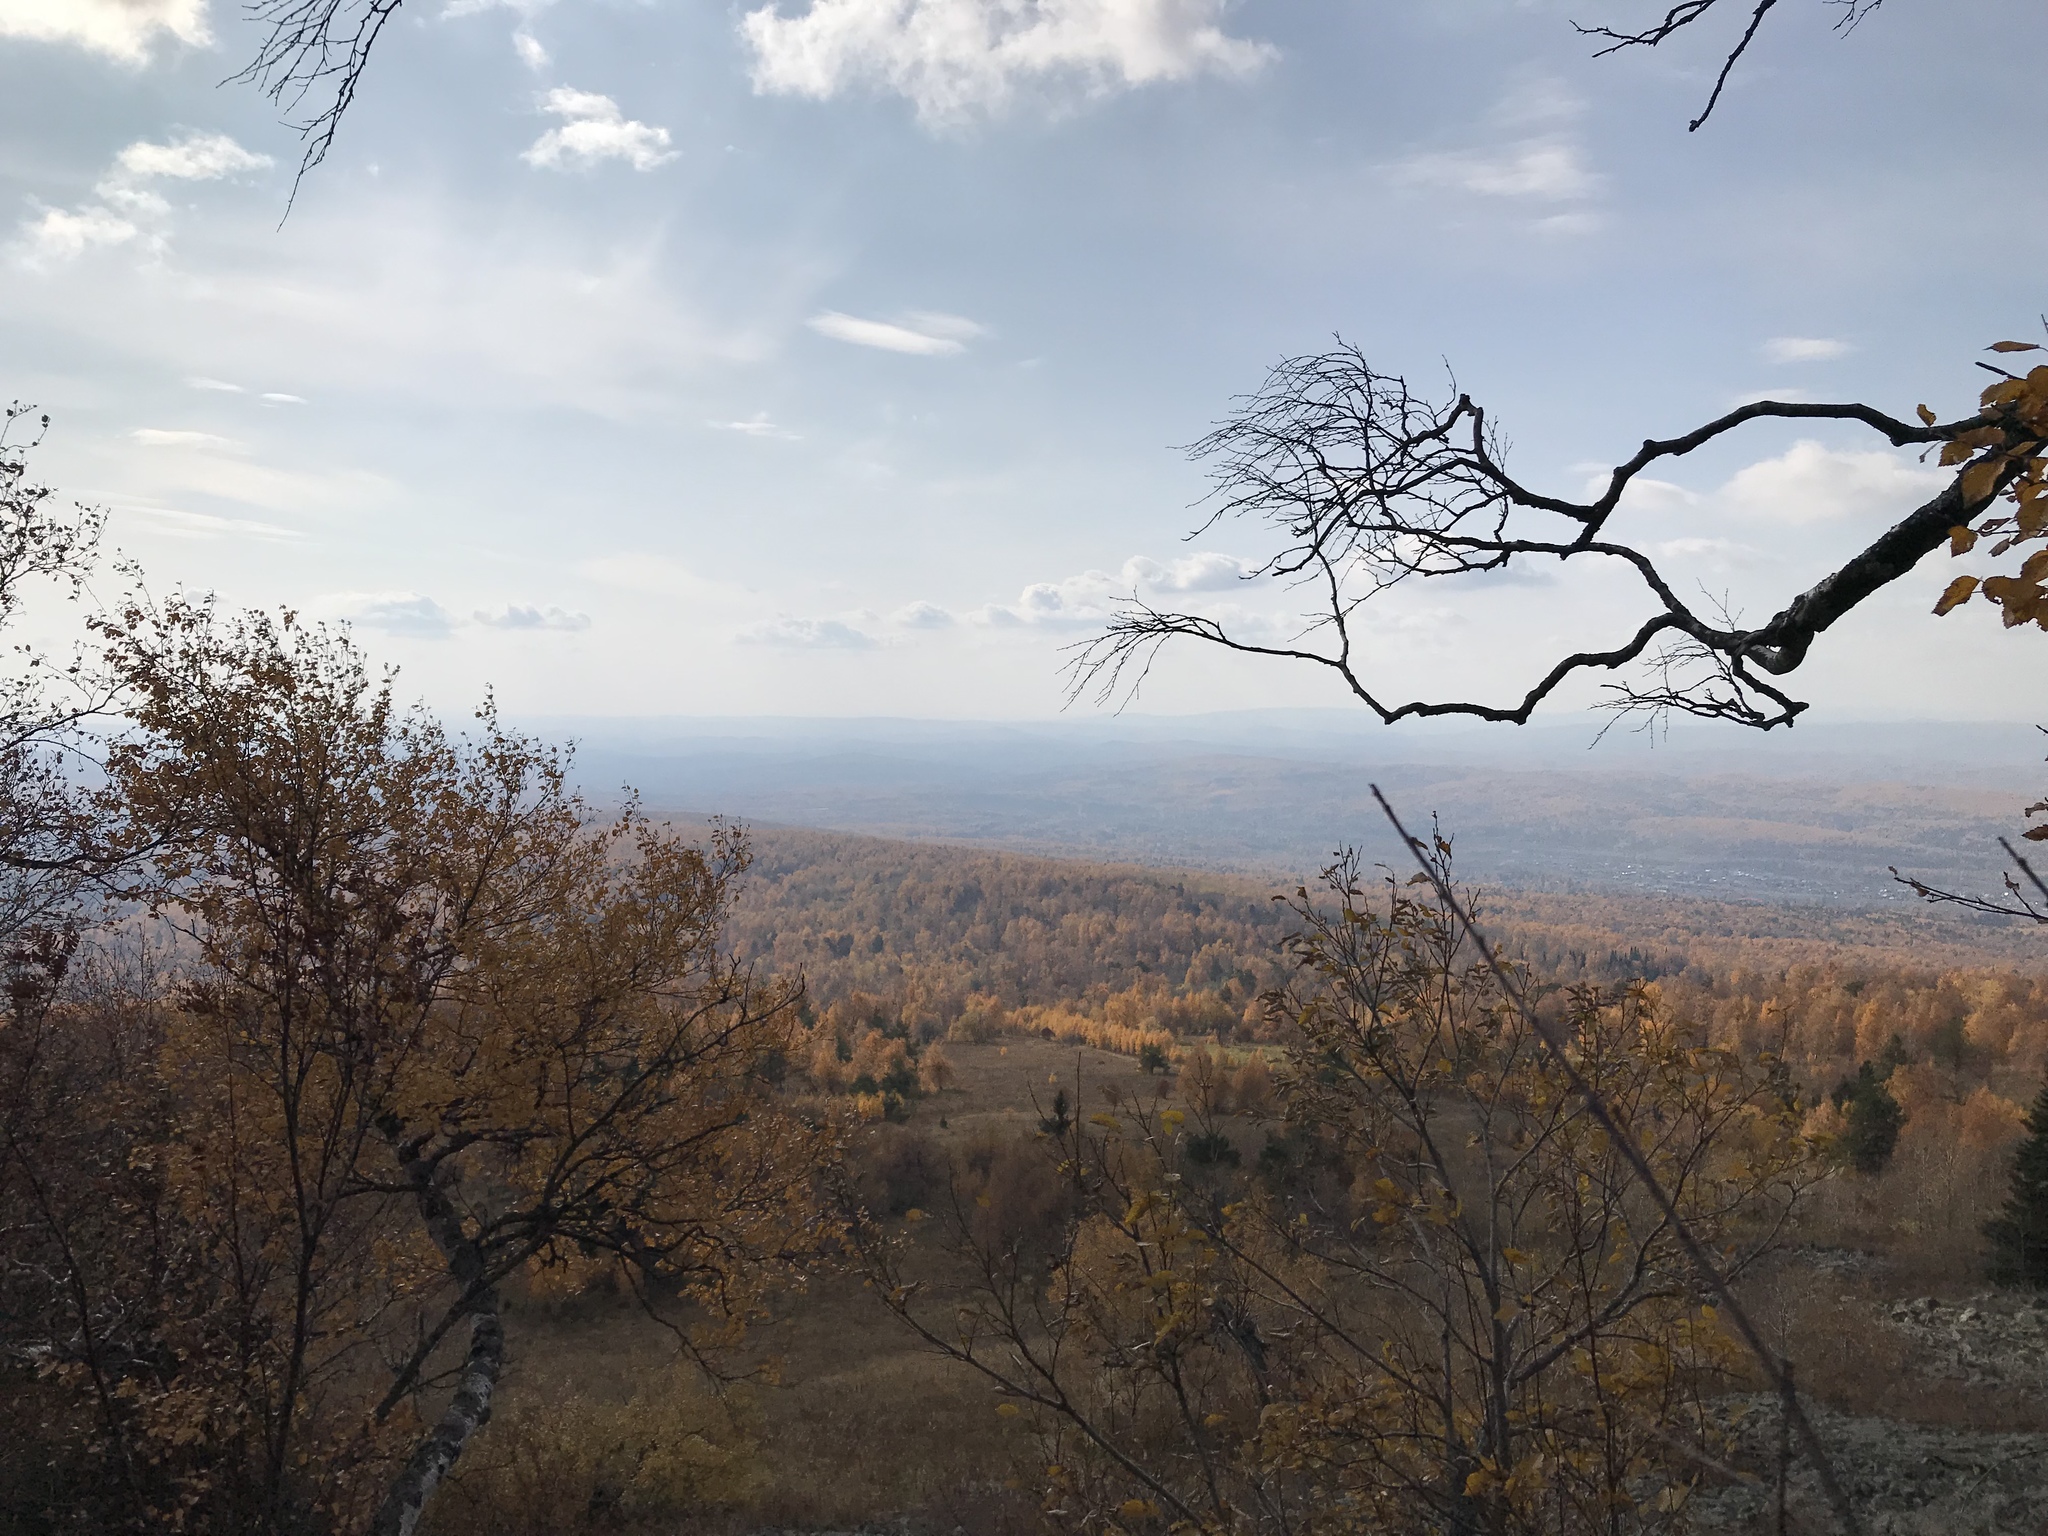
<point>1370,486</point>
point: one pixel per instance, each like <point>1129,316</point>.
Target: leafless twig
<point>1624,1141</point>
<point>1687,12</point>
<point>315,49</point>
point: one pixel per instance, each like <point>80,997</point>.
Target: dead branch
<point>1370,485</point>
<point>1687,12</point>
<point>315,52</point>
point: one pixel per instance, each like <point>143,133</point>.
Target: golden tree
<point>437,1028</point>
<point>1441,1301</point>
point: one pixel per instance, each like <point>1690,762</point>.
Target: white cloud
<point>1644,494</point>
<point>756,425</point>
<point>1538,101</point>
<point>275,397</point>
<point>657,576</point>
<point>1544,170</point>
<point>530,51</point>
<point>1535,159</point>
<point>173,523</point>
<point>956,58</point>
<point>807,635</point>
<point>526,616</point>
<point>1190,573</point>
<point>1807,483</point>
<point>593,129</point>
<point>924,334</point>
<point>1805,349</point>
<point>195,157</point>
<point>1719,554</point>
<point>120,29</point>
<point>161,437</point>
<point>1093,596</point>
<point>59,235</point>
<point>219,385</point>
<point>129,208</point>
<point>395,613</point>
<point>1810,483</point>
<point>921,615</point>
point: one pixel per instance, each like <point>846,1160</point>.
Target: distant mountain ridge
<point>1817,815</point>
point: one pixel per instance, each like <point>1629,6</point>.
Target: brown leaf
<point>1961,540</point>
<point>1959,591</point>
<point>2014,346</point>
<point>1979,480</point>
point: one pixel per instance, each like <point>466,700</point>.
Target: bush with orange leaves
<point>1441,1302</point>
<point>434,1029</point>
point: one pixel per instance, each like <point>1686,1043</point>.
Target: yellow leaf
<point>1979,479</point>
<point>1509,1311</point>
<point>1137,1509</point>
<point>913,1214</point>
<point>1213,1420</point>
<point>1006,1410</point>
<point>1959,591</point>
<point>1514,1255</point>
<point>1961,540</point>
<point>1926,416</point>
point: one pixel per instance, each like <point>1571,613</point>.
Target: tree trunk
<point>467,1412</point>
<point>470,1409</point>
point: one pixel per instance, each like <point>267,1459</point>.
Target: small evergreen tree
<point>1874,1117</point>
<point>2019,1233</point>
<point>1061,1120</point>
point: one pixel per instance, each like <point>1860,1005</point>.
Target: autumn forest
<point>579,669</point>
<point>396,1141</point>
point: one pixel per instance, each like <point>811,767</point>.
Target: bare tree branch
<point>1687,12</point>
<point>1370,486</point>
<point>315,49</point>
<point>2025,898</point>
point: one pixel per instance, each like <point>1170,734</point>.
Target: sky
<point>829,357</point>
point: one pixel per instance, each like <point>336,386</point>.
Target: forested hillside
<point>935,930</point>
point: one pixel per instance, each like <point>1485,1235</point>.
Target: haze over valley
<point>1820,813</point>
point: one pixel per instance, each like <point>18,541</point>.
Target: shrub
<point>561,1463</point>
<point>1873,1116</point>
<point>2019,1233</point>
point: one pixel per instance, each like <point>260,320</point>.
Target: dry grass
<point>854,1422</point>
<point>865,1429</point>
<point>607,1427</point>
